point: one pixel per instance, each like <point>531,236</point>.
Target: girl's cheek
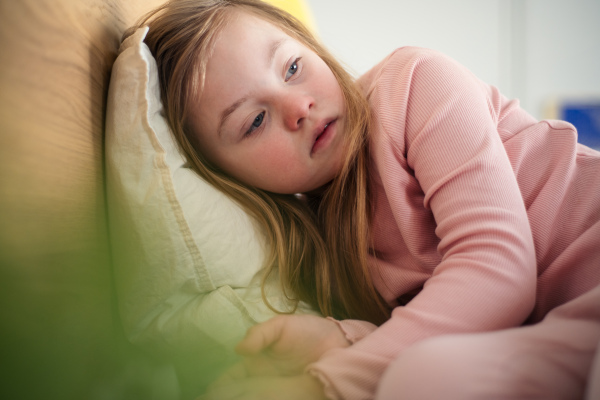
<point>284,153</point>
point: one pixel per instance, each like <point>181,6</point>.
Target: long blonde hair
<point>320,247</point>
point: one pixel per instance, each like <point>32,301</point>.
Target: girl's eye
<point>256,123</point>
<point>292,69</point>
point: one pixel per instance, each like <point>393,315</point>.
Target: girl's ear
<point>299,9</point>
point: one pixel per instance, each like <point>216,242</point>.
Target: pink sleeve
<point>354,330</point>
<point>438,121</point>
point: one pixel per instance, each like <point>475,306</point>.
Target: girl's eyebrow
<point>229,110</point>
<point>225,115</point>
<point>274,46</point>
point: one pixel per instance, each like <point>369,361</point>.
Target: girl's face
<point>271,113</point>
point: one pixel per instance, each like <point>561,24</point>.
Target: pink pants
<point>558,358</point>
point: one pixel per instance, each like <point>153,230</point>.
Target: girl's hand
<point>276,353</point>
<point>298,387</point>
<point>286,344</point>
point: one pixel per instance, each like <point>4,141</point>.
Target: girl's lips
<point>324,138</point>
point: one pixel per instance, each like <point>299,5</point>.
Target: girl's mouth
<point>326,125</point>
<point>324,138</point>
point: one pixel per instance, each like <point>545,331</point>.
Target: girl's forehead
<point>244,32</point>
<point>245,25</point>
<point>251,20</point>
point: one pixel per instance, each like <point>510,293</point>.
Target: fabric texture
<point>548,360</point>
<point>492,217</point>
<point>188,260</point>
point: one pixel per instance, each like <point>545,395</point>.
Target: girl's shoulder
<point>401,64</point>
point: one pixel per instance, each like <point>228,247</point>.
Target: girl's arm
<point>437,126</point>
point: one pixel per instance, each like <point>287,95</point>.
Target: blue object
<point>586,118</point>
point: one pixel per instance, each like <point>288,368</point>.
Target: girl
<point>430,205</point>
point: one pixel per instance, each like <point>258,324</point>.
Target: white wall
<point>530,49</point>
<point>562,56</point>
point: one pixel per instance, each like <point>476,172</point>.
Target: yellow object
<point>299,9</point>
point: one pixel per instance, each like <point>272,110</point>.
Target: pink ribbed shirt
<point>492,217</point>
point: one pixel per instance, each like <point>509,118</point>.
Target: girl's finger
<point>261,336</point>
<point>261,365</point>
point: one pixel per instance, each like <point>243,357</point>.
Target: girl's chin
<point>318,192</point>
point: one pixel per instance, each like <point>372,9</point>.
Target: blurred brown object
<point>59,332</point>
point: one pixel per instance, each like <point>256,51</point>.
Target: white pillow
<point>188,260</point>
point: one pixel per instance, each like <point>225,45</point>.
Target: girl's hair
<point>320,246</point>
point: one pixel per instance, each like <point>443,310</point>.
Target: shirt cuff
<point>354,330</point>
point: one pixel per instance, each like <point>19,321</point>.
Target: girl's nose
<point>295,109</point>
